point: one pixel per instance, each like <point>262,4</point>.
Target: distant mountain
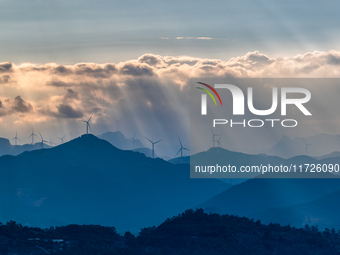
<point>335,154</point>
<point>323,212</point>
<point>7,149</point>
<point>89,181</point>
<point>118,140</point>
<point>319,145</point>
<point>146,151</point>
<point>259,194</point>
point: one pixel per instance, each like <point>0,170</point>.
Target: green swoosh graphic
<point>208,93</point>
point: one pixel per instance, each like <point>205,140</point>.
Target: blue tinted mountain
<point>118,140</point>
<point>7,149</point>
<point>323,212</point>
<point>318,145</point>
<point>89,181</point>
<point>259,194</point>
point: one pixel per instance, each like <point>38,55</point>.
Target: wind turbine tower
<point>32,135</point>
<point>133,141</point>
<point>307,144</point>
<point>153,145</point>
<point>42,141</point>
<point>88,125</point>
<point>118,123</point>
<point>181,149</point>
<point>213,138</point>
<point>16,138</point>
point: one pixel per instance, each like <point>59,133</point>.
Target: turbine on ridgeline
<point>213,138</point>
<point>32,135</point>
<point>118,123</point>
<point>307,144</point>
<point>219,144</point>
<point>88,125</point>
<point>61,139</point>
<point>133,141</point>
<point>153,145</point>
<point>51,142</point>
<point>42,140</point>
<point>181,149</point>
<point>16,138</point>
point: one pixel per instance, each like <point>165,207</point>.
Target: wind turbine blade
<point>180,142</point>
<point>178,152</point>
<point>18,139</point>
<point>89,119</point>
<point>64,136</point>
<point>148,139</point>
<point>90,127</point>
<point>40,135</point>
<point>186,149</point>
<point>158,141</point>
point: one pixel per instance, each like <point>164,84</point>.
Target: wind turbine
<point>213,137</point>
<point>32,135</point>
<point>133,141</point>
<point>307,144</point>
<point>219,143</point>
<point>88,125</point>
<point>118,123</point>
<point>153,146</point>
<point>61,139</point>
<point>42,141</point>
<point>181,149</point>
<point>71,134</point>
<point>16,138</point>
<point>51,143</point>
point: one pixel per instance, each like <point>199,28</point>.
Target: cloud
<point>136,69</point>
<point>197,38</point>
<point>5,79</point>
<point>71,94</point>
<point>95,70</point>
<point>20,105</point>
<point>58,84</point>
<point>66,111</point>
<point>6,67</point>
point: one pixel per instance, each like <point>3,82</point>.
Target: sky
<point>64,61</point>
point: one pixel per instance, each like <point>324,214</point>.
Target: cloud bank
<point>150,93</point>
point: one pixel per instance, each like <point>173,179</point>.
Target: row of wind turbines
<point>88,128</point>
<point>16,139</point>
<point>153,143</point>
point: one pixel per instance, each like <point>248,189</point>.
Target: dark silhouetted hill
<point>190,233</point>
